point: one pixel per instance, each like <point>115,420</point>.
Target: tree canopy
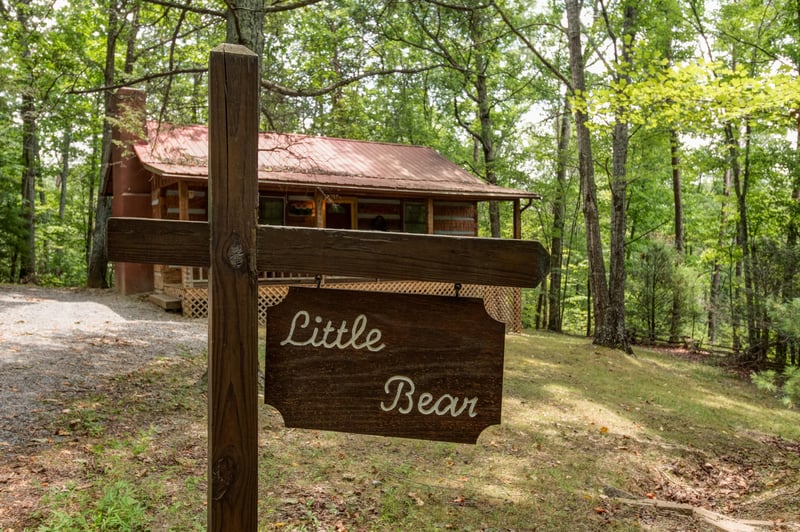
<point>664,137</point>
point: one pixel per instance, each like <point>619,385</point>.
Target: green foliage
<point>784,317</point>
<point>117,510</point>
<point>652,280</point>
<point>786,384</point>
<point>11,225</point>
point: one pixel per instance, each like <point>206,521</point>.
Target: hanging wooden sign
<point>413,366</point>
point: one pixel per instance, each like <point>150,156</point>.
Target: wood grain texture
<point>233,290</point>
<point>362,381</point>
<point>158,242</point>
<point>401,256</point>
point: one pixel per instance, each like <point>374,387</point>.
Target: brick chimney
<point>130,181</point>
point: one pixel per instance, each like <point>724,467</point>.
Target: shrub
<point>787,384</point>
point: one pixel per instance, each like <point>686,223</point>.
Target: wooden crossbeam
<point>391,256</point>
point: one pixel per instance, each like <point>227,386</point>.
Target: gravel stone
<point>55,343</point>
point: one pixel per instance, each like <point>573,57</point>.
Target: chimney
<point>129,181</point>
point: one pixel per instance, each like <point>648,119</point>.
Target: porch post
<point>517,220</point>
<point>429,220</point>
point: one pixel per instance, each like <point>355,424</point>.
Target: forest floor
<point>103,427</point>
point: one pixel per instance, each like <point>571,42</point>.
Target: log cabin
<point>160,171</point>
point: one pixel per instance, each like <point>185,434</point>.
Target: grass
<point>577,421</point>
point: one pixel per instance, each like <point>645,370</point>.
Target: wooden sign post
<point>235,248</point>
<point>233,289</point>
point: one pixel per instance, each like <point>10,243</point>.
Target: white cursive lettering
<point>330,336</point>
<point>404,389</point>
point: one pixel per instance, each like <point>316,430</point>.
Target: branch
<point>142,52</point>
<point>440,48</point>
<point>277,7</point>
<point>456,7</point>
<point>701,29</point>
<point>770,54</point>
<point>553,70</point>
<point>185,7</point>
<point>142,79</point>
<point>466,127</point>
<point>609,30</point>
<point>305,93</point>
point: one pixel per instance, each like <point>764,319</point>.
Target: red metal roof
<point>295,161</point>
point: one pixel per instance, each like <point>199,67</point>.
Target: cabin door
<point>340,214</point>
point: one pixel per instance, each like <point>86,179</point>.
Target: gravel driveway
<point>59,342</point>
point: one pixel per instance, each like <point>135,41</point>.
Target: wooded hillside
<point>663,136</point>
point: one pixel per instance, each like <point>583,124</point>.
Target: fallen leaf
<point>417,500</point>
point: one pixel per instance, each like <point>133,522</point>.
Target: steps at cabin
<point>165,301</point>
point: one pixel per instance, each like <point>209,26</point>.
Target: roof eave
<point>470,195</point>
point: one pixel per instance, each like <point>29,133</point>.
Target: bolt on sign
<point>414,366</point>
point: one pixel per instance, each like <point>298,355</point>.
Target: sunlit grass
<point>576,420</point>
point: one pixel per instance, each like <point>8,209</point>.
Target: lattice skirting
<point>502,303</point>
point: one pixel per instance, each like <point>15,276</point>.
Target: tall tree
<point>97,276</point>
<point>591,216</point>
<point>677,201</point>
<point>612,332</point>
<point>30,143</point>
<point>558,209</point>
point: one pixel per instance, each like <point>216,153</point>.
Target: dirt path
<point>59,342</point>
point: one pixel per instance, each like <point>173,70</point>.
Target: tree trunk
<point>27,247</point>
<point>594,249</point>
<point>485,119</point>
<point>677,195</point>
<point>716,275</point>
<point>98,258</point>
<point>612,331</point>
<point>64,175</point>
<point>557,241</point>
<point>744,266</point>
<point>788,288</point>
<point>245,25</point>
<point>97,275</point>
<point>91,205</point>
<point>651,306</point>
<point>541,307</point>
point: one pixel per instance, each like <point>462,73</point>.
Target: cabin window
<point>415,217</point>
<point>340,214</point>
<point>270,210</point>
<point>380,214</point>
